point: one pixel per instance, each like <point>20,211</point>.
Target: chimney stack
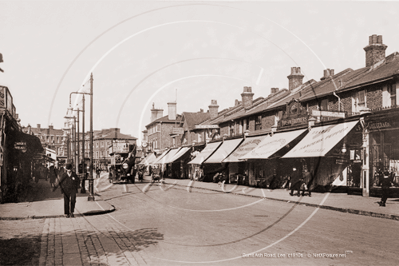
<point>247,97</point>
<point>156,113</point>
<point>237,102</point>
<point>295,79</point>
<point>327,73</point>
<point>172,111</point>
<point>274,90</point>
<point>38,126</point>
<point>51,127</point>
<point>213,109</point>
<point>375,51</point>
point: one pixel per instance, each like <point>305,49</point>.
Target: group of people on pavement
<point>300,182</point>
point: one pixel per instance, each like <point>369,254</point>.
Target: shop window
<point>258,122</point>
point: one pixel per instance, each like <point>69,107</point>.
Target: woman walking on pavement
<point>69,184</point>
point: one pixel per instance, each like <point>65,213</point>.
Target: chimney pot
<point>213,109</point>
<point>172,111</point>
<point>295,79</point>
<point>247,97</point>
<point>375,51</point>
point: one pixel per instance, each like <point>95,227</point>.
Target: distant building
<point>51,138</point>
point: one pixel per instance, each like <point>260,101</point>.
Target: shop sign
<point>328,114</point>
<point>294,121</point>
<point>379,125</point>
<point>20,146</point>
<point>206,126</point>
<point>120,147</point>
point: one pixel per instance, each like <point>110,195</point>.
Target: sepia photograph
<point>199,132</point>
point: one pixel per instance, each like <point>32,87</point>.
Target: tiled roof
<point>111,134</point>
<point>165,119</point>
<point>332,84</point>
<point>272,98</point>
<point>192,119</point>
<point>383,70</point>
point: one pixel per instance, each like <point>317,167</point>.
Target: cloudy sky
<point>145,52</point>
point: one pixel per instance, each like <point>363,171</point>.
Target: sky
<point>154,52</point>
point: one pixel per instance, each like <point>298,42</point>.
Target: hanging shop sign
<point>20,146</point>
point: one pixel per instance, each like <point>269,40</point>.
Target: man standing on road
<point>69,184</point>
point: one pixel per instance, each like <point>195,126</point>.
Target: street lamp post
<point>91,189</point>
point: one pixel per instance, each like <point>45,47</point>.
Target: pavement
<point>41,202</point>
<point>341,202</point>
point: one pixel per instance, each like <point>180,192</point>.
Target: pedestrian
<point>385,184</point>
<point>296,182</point>
<point>69,184</point>
<point>52,174</point>
<point>98,172</point>
<point>307,179</point>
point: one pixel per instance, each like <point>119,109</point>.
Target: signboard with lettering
<point>295,114</point>
<point>119,147</point>
<point>328,114</point>
<point>20,146</point>
<point>206,126</point>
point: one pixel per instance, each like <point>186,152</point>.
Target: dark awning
<point>26,144</point>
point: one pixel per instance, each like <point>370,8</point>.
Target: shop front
<point>238,169</point>
<point>383,128</point>
<point>265,168</point>
<point>198,171</point>
<point>329,154</point>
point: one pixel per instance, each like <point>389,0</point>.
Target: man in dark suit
<point>69,184</point>
<point>386,180</point>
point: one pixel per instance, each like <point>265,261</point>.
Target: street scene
<point>187,133</point>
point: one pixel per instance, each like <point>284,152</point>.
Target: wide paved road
<point>173,226</point>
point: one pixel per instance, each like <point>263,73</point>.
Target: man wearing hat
<point>69,184</point>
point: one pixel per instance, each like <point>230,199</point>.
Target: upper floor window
<point>359,101</point>
<point>323,105</point>
<point>258,122</point>
<point>392,93</point>
<point>232,127</point>
<point>158,128</point>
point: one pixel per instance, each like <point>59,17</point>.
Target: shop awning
<point>205,153</point>
<point>223,151</point>
<point>271,145</point>
<point>158,160</point>
<point>26,144</point>
<point>149,159</point>
<point>320,140</point>
<point>167,158</point>
<point>246,146</point>
<point>180,153</point>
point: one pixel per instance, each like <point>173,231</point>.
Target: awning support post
<point>365,184</point>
